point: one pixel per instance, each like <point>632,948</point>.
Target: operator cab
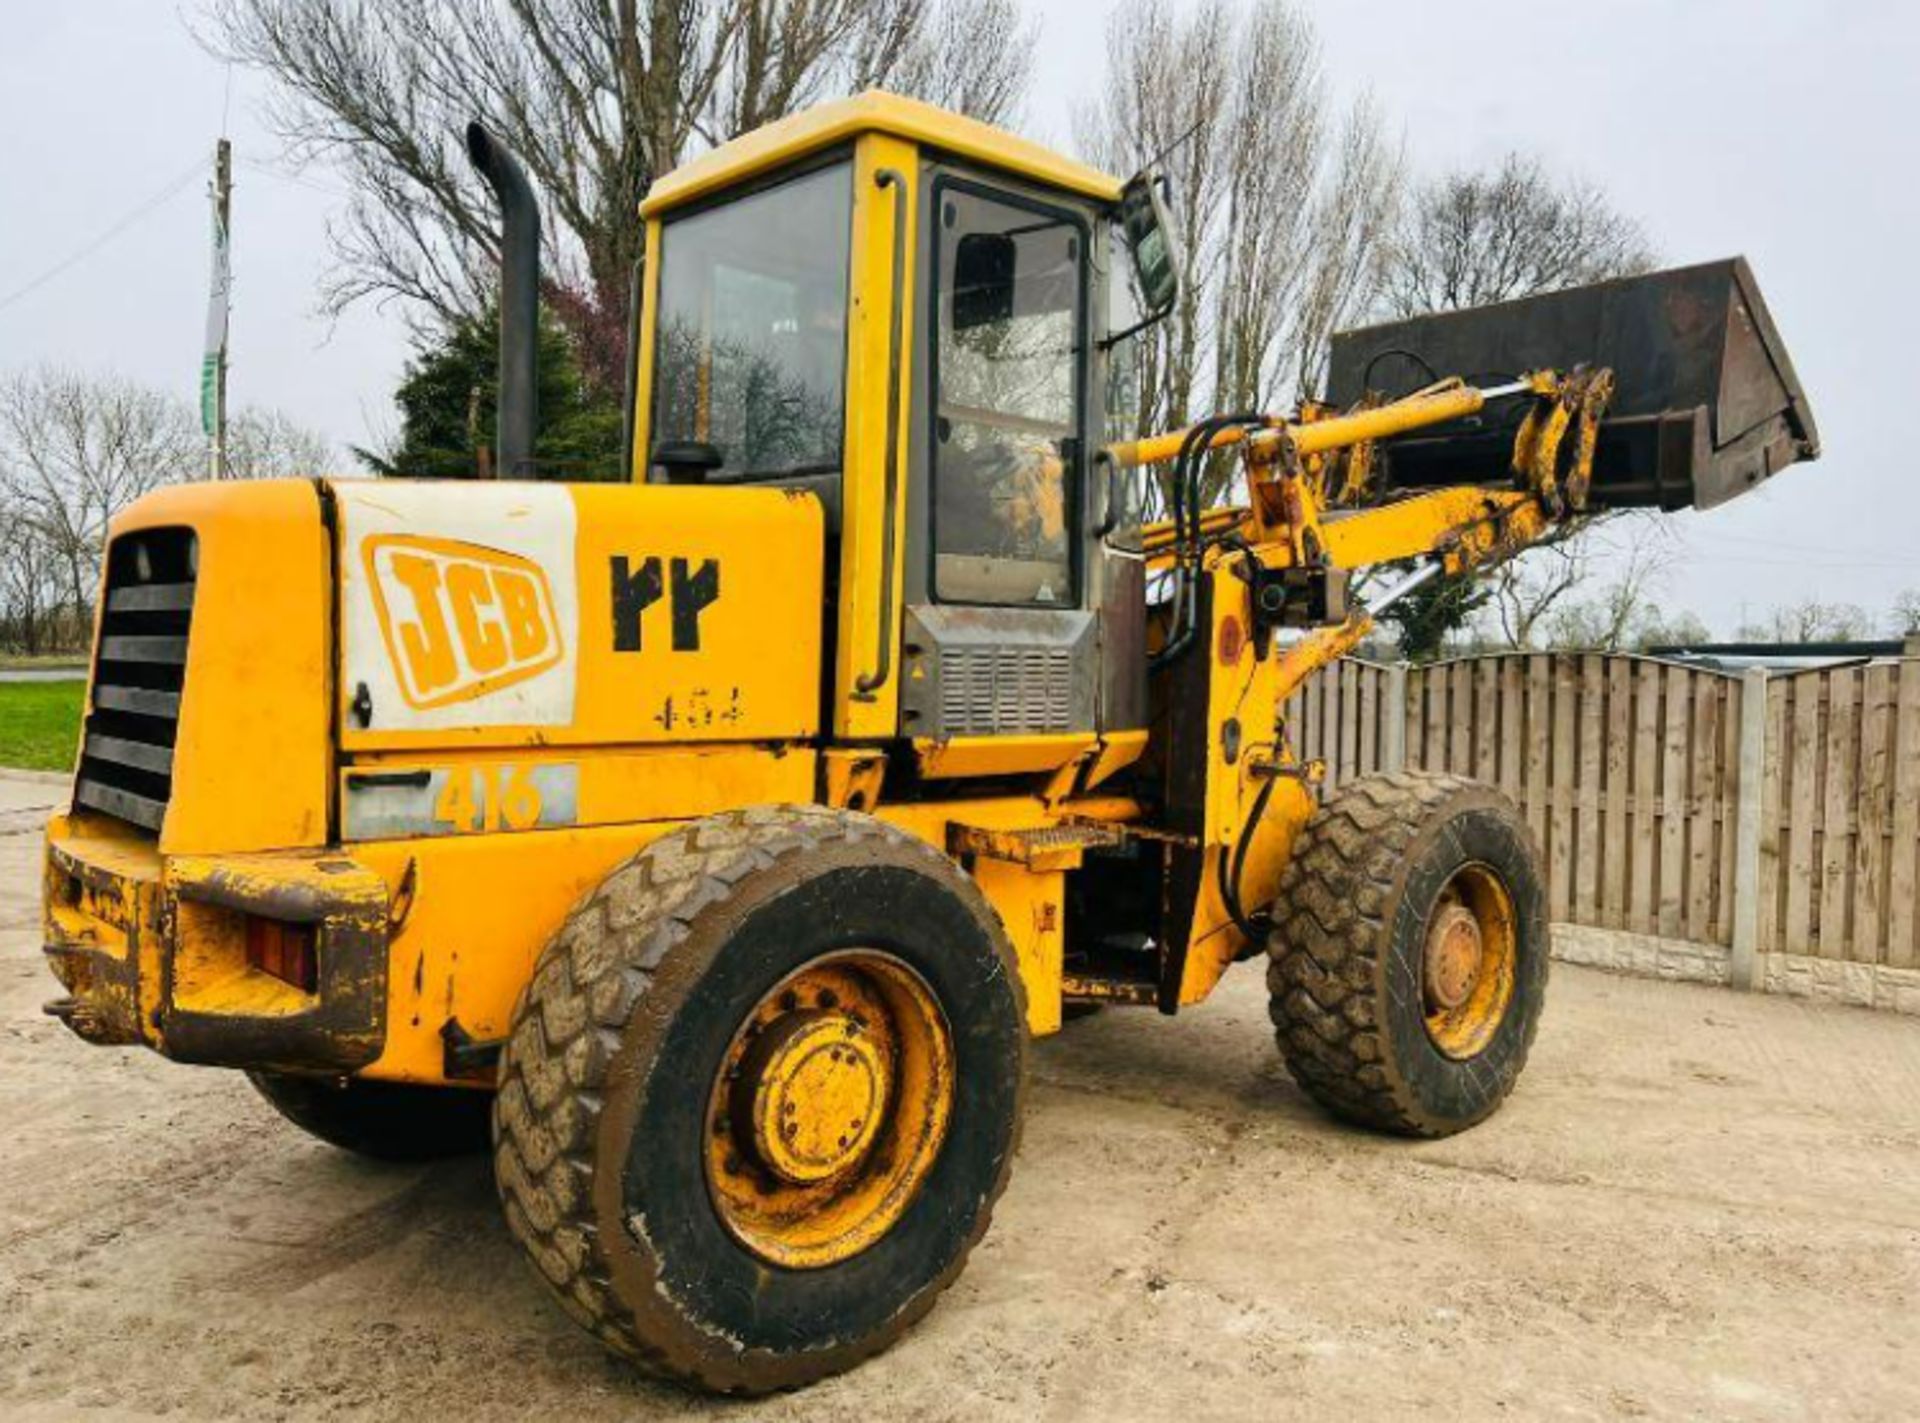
<point>926,323</point>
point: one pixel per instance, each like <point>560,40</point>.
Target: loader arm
<point>1313,517</point>
<point>1283,562</point>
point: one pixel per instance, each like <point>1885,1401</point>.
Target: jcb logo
<point>460,620</point>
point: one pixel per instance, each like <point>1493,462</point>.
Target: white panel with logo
<point>458,607</point>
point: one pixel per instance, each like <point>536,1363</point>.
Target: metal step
<point>1051,847</point>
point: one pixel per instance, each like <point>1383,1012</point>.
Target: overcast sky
<point>1780,130</point>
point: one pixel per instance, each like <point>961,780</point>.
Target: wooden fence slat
<point>1801,792</point>
<point>1769,927</point>
<point>1704,746</point>
<point>1587,851</point>
<point>1673,803</point>
<point>1415,742</point>
<point>1433,734</point>
<point>1353,708</point>
<point>1642,917</point>
<point>1873,813</point>
<point>1369,743</point>
<point>1836,849</point>
<point>1615,841</point>
<point>1726,794</point>
<point>1903,871</point>
<point>1539,695</point>
<point>1486,720</point>
<point>1513,739</point>
<point>1330,717</point>
<point>1460,718</point>
<point>1560,819</point>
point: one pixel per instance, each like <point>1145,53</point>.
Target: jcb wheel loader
<point>725,834</point>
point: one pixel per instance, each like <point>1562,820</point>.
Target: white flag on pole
<point>216,346</point>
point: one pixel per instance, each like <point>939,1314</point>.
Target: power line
<point>131,217</point>
<point>267,170</point>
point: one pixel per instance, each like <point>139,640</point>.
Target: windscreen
<point>750,342</point>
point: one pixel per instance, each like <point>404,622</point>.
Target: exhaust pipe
<point>515,410</point>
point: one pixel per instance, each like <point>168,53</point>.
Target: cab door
<point>1002,634</point>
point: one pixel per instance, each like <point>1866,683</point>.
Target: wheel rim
<point>1468,961</point>
<point>829,1109</point>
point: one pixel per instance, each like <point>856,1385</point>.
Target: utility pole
<point>213,368</point>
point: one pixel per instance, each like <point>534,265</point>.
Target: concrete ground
<point>1698,1204</point>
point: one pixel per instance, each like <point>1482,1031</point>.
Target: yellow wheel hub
<point>818,1091</point>
<point>1468,962</point>
<point>829,1109</point>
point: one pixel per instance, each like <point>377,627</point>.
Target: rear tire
<point>702,972</point>
<point>1409,953</point>
<point>388,1121</point>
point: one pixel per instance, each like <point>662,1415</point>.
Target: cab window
<point>750,342</point>
<point>1008,359</point>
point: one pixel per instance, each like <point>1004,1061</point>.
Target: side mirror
<point>983,270</point>
<point>1152,242</point>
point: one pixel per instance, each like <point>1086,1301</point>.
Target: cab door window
<point>1008,377</point>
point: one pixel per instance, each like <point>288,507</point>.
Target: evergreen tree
<point>446,402</point>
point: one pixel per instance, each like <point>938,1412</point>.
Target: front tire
<point>761,1094</point>
<point>1409,953</point>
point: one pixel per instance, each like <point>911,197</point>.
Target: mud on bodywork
<point>158,956</point>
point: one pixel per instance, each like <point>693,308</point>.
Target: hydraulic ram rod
<point>1312,437</point>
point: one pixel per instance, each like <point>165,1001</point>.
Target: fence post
<point>1393,715</point>
<point>1746,969</point>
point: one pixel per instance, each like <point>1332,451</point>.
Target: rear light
<point>284,950</point>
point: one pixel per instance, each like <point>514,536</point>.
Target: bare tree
<point>1283,198</point>
<point>1906,613</point>
<point>598,97</point>
<point>972,56</point>
<point>75,449</point>
<point>1526,590</point>
<point>30,584</point>
<point>1810,620</point>
<point>1624,612</point>
<point>269,444</point>
<point>1470,238</point>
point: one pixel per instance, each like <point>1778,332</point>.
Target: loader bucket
<point>1706,404</point>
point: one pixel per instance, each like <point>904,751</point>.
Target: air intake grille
<point>139,667</point>
<point>984,690</point>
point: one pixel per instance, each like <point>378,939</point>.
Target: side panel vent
<point>984,690</point>
<point>139,670</point>
<point>973,671</point>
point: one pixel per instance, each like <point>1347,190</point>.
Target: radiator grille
<point>984,690</point>
<point>139,667</point>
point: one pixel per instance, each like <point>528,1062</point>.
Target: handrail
<point>870,682</point>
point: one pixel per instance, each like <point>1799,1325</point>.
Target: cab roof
<point>875,111</point>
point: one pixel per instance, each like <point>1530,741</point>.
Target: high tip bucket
<point>1706,403</point>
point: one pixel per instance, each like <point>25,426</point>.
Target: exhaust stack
<point>515,410</point>
<point>1706,403</point>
